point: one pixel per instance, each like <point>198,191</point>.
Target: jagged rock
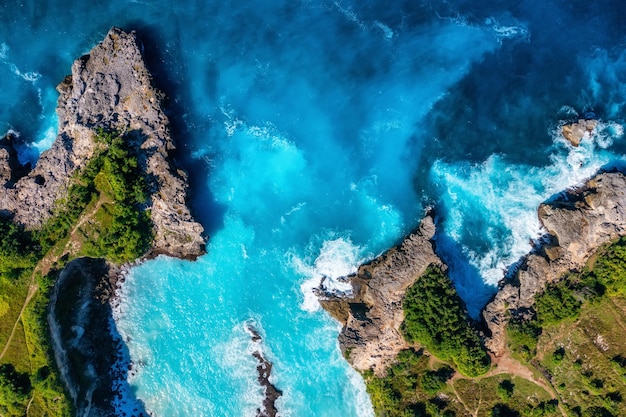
<point>578,222</point>
<point>576,132</point>
<point>10,168</point>
<point>372,316</point>
<point>111,88</point>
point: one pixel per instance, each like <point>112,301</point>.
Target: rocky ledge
<point>111,89</point>
<point>578,222</point>
<point>372,315</point>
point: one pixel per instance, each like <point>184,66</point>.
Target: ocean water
<point>316,133</point>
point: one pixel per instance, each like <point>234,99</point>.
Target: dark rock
<point>86,345</point>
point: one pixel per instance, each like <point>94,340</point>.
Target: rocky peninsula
<point>578,222</point>
<point>581,224</point>
<point>108,102</point>
<point>372,315</point>
<point>110,88</point>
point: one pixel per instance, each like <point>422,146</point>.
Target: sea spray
<point>490,208</point>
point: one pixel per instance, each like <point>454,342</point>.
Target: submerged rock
<point>578,223</point>
<point>372,315</point>
<point>110,88</point>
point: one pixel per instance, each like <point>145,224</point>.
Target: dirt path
<point>44,266</point>
<point>507,365</point>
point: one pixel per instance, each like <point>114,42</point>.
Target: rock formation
<point>372,316</point>
<point>577,131</point>
<point>110,88</point>
<point>85,340</point>
<point>578,222</point>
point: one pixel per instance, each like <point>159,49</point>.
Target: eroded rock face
<point>371,318</point>
<point>111,88</point>
<point>87,346</point>
<point>578,223</point>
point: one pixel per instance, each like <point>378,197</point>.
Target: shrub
<point>436,318</point>
<point>556,304</point>
<point>505,389</point>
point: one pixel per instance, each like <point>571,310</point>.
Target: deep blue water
<point>316,133</point>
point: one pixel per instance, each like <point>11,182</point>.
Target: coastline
<point>108,101</point>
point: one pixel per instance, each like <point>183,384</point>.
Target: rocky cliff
<point>578,222</point>
<point>111,89</point>
<point>372,316</point>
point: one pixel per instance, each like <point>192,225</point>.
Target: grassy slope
<point>29,384</point>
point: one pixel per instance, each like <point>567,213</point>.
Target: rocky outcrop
<point>264,369</point>
<point>10,167</point>
<point>577,131</point>
<point>110,88</point>
<point>86,344</point>
<point>578,222</point>
<point>372,315</point>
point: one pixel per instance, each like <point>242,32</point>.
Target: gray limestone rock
<point>372,316</point>
<point>578,223</point>
<point>110,88</point>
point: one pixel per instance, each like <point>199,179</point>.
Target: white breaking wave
<point>506,196</point>
<point>30,76</point>
<point>338,258</point>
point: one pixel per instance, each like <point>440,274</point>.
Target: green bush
<point>609,270</point>
<point>436,318</point>
<point>18,250</point>
<point>505,389</point>
<point>557,303</point>
<point>523,336</point>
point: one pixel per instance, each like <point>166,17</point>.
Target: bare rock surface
<point>372,315</point>
<point>578,222</point>
<point>110,88</point>
<point>577,131</point>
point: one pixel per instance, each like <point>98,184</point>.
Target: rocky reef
<point>577,131</point>
<point>372,315</point>
<point>578,222</point>
<point>110,89</point>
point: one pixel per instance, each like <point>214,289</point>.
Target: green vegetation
<point>575,339</point>
<point>418,384</point>
<point>18,249</point>
<point>410,388</point>
<point>435,317</point>
<point>102,216</point>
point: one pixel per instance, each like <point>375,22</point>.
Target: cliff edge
<point>110,89</point>
<point>372,315</point>
<point>108,111</point>
<point>578,222</point>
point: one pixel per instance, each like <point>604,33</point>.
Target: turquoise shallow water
<point>315,134</point>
